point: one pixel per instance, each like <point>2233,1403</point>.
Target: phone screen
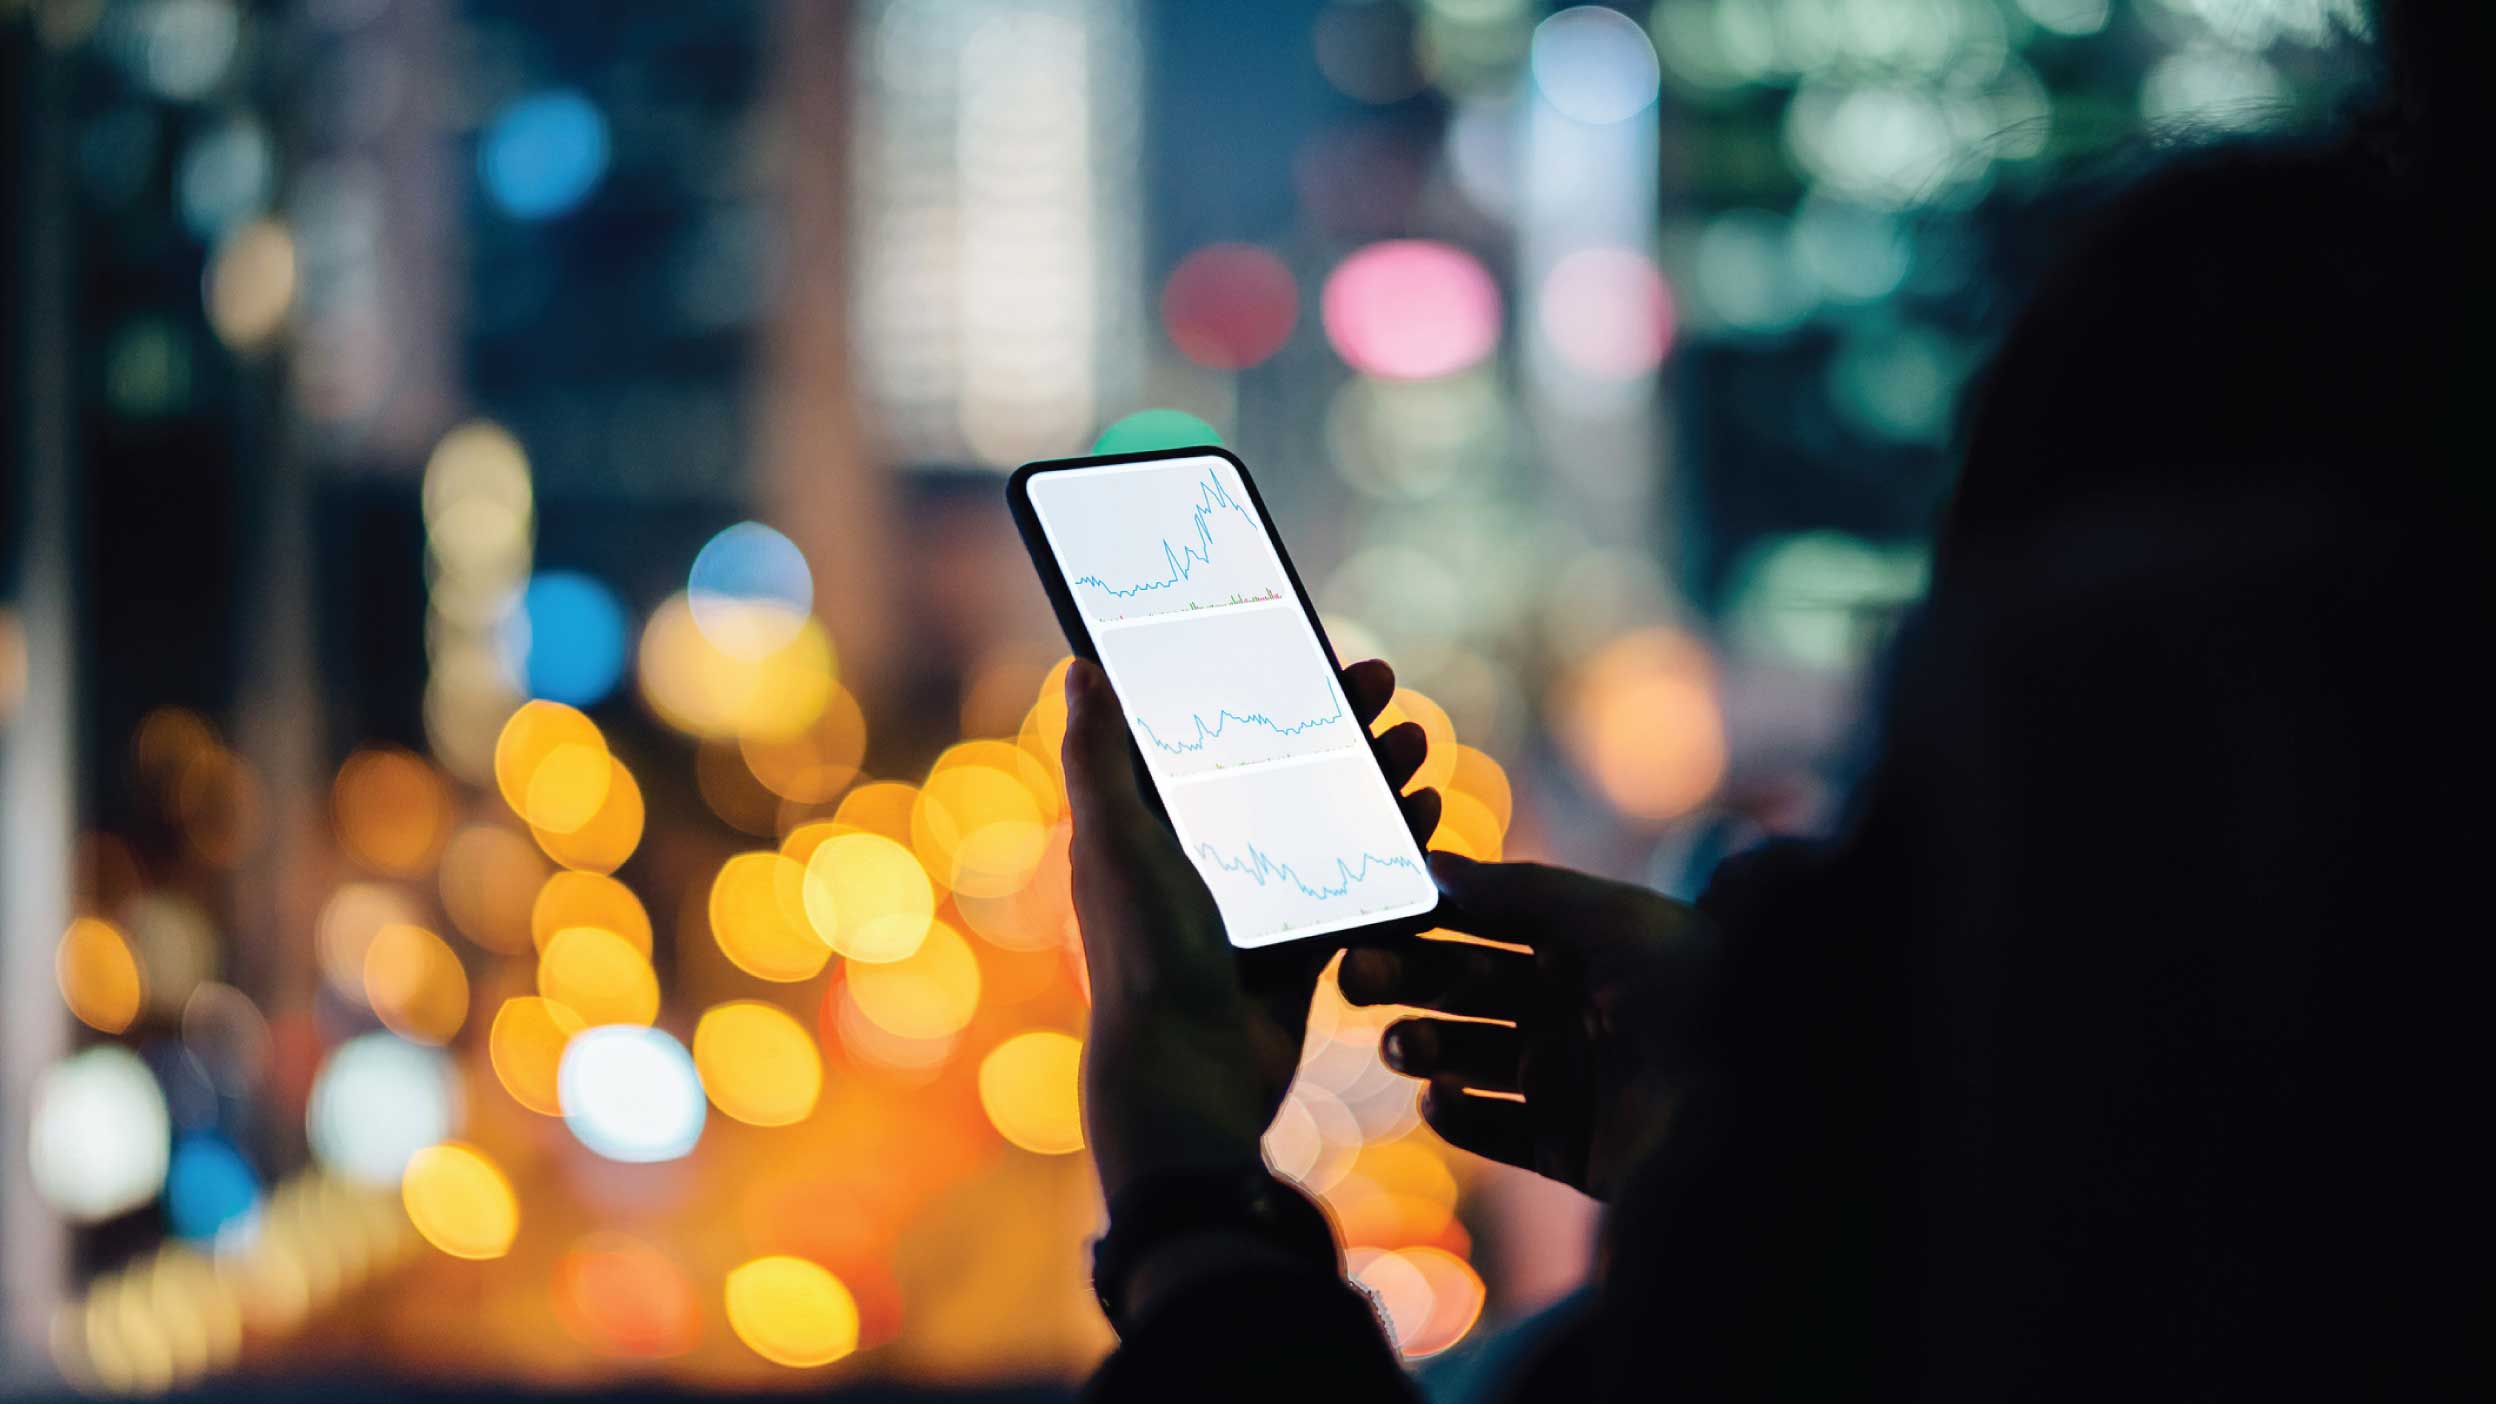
<point>1267,776</point>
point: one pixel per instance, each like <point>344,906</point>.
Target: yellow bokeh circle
<point>526,1047</point>
<point>546,766</point>
<point>791,1312</point>
<point>588,899</point>
<point>1028,1086</point>
<point>414,981</point>
<point>813,765</point>
<point>867,897</point>
<point>1478,775</point>
<point>757,1063</point>
<point>978,829</point>
<point>1467,827</point>
<point>931,993</point>
<point>599,975</point>
<point>881,808</point>
<point>705,690</point>
<point>460,1201</point>
<point>1014,761</point>
<point>608,836</point>
<point>758,917</point>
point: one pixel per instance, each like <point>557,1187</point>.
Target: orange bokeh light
<point>758,917</point>
<point>817,762</point>
<point>881,808</point>
<point>526,1048</point>
<point>599,976</point>
<point>792,1312</point>
<point>99,975</point>
<point>705,690</point>
<point>546,766</point>
<point>620,1296</point>
<point>1478,775</point>
<point>1640,720</point>
<point>867,897</point>
<point>929,994</point>
<point>393,810</point>
<point>490,877</point>
<point>1034,916</point>
<point>1028,1085</point>
<point>588,899</point>
<point>608,836</point>
<point>413,980</point>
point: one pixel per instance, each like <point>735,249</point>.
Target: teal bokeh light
<point>1150,429</point>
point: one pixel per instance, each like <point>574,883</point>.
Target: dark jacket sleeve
<point>1264,1333</point>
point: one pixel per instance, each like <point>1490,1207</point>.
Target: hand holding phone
<point>1196,1031</point>
<point>1165,569</point>
<point>1193,1042</point>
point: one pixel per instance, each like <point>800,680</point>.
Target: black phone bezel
<point>1079,637</point>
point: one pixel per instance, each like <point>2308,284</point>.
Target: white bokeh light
<point>631,1093</point>
<point>1595,65</point>
<point>376,1102</point>
<point>100,1136</point>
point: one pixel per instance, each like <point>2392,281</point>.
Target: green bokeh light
<point>1150,429</point>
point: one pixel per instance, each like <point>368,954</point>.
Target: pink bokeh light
<point>1608,312</point>
<point>1229,306</point>
<point>1411,309</point>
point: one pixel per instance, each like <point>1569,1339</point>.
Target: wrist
<point>1179,1226</point>
<point>1162,1105</point>
<point>1168,1267</point>
<point>1153,1148</point>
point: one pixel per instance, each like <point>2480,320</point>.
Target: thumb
<point>1535,904</point>
<point>1100,779</point>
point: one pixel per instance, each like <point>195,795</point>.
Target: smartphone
<point>1165,569</point>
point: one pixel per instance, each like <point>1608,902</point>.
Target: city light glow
<point>460,1201</point>
<point>631,1094</point>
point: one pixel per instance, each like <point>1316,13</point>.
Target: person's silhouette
<point>2123,1042</point>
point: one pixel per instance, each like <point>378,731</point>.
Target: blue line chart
<point>1184,558</point>
<point>1208,733</point>
<point>1260,868</point>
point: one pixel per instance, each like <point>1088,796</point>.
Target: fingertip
<point>1409,1047</point>
<point>1366,975</point>
<point>1450,868</point>
<point>1370,684</point>
<point>1421,813</point>
<point>1082,676</point>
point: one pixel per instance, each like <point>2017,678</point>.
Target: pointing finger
<point>1534,904</point>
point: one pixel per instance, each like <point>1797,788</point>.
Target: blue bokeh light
<point>543,154</point>
<point>565,638</point>
<point>208,1187</point>
<point>750,589</point>
<point>753,564</point>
